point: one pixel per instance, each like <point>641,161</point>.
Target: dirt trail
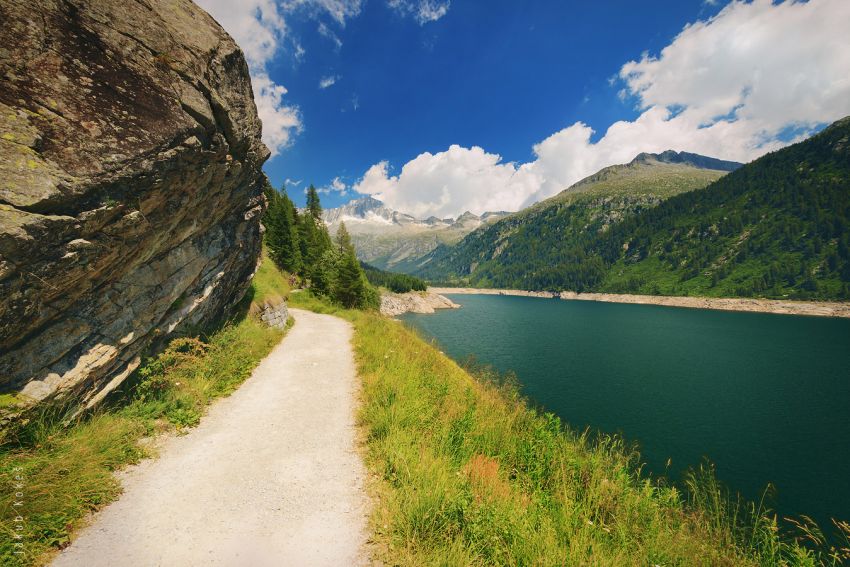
<point>271,476</point>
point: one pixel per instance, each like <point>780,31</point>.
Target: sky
<point>437,107</point>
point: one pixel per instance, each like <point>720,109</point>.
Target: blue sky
<point>437,107</point>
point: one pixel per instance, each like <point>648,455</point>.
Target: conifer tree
<point>324,274</point>
<point>294,246</point>
<point>314,207</point>
<point>281,236</point>
<point>343,240</point>
<point>350,285</point>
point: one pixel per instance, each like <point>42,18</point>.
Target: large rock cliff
<point>130,186</point>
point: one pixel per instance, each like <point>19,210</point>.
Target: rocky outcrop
<point>275,316</point>
<point>393,304</point>
<point>130,186</point>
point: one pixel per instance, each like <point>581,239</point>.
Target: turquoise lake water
<point>765,397</point>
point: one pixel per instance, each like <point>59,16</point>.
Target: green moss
<point>9,400</point>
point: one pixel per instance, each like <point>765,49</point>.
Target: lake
<point>765,397</point>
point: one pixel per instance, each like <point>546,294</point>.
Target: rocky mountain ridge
<point>393,240</point>
<point>367,209</point>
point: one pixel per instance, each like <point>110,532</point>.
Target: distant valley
<point>396,241</point>
<point>673,223</point>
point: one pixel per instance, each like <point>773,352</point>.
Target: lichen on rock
<point>130,186</point>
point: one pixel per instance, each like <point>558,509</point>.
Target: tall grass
<point>270,285</point>
<point>63,471</point>
<point>469,474</point>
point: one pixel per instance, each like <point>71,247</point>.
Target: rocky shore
<point>782,307</point>
<point>393,304</point>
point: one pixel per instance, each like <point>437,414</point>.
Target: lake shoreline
<point>394,304</point>
<point>775,306</point>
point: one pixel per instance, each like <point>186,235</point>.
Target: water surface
<point>765,397</point>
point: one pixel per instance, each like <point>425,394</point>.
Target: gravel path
<point>271,476</point>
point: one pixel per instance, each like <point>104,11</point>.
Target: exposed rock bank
<point>817,308</point>
<point>812,308</point>
<point>476,291</point>
<point>130,186</point>
<point>393,304</point>
<point>275,316</point>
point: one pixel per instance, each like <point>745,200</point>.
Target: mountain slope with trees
<point>547,246</point>
<point>299,243</point>
<point>777,227</point>
<point>397,283</point>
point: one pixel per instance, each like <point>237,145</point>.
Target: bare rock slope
<point>130,185</point>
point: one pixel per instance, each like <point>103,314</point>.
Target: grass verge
<point>469,474</point>
<point>59,474</point>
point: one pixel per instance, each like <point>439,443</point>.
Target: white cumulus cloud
<point>448,183</point>
<point>335,186</point>
<point>259,27</point>
<point>731,86</point>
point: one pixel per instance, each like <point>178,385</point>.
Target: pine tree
<point>281,237</point>
<point>343,240</point>
<point>350,285</point>
<point>324,276</point>
<point>315,241</point>
<point>313,205</point>
<point>291,253</point>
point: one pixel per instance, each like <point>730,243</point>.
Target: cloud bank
<point>732,87</point>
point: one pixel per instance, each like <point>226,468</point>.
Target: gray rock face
<point>275,316</point>
<point>130,186</point>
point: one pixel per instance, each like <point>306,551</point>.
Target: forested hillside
<point>549,245</point>
<point>398,283</point>
<point>777,227</point>
<point>300,245</point>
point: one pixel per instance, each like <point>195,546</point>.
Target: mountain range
<point>678,224</point>
<point>537,248</point>
<point>393,240</point>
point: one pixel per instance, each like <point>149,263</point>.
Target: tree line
<point>299,243</point>
<point>398,283</point>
